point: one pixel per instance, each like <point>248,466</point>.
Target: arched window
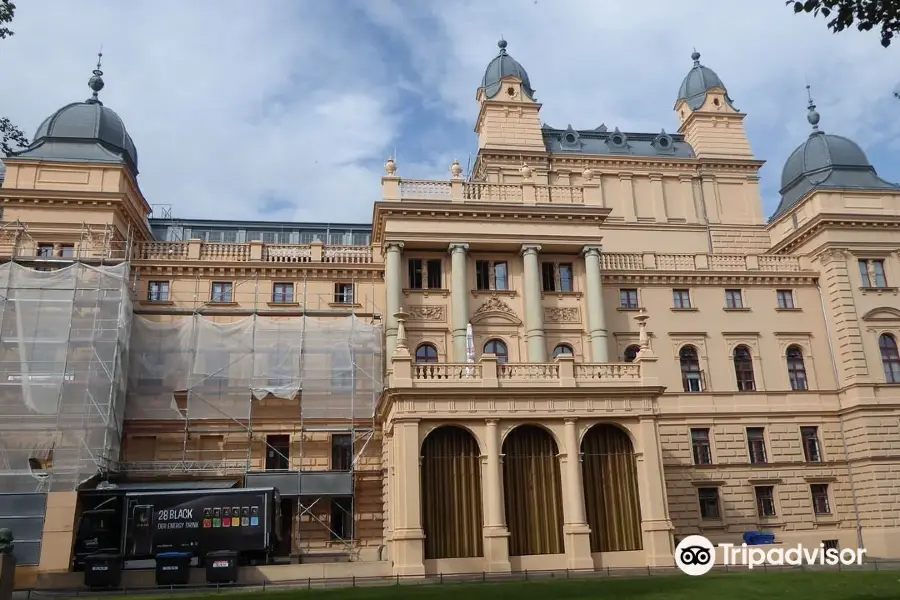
<point>563,349</point>
<point>796,368</point>
<point>498,348</point>
<point>743,369</point>
<point>631,352</point>
<point>426,353</point>
<point>691,376</point>
<point>890,358</point>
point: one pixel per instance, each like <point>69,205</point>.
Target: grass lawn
<point>743,586</point>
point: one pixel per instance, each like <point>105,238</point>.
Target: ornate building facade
<point>593,346</point>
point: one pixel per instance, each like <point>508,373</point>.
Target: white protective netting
<point>194,367</point>
<point>63,342</point>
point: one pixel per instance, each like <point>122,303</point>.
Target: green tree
<point>11,137</point>
<point>865,14</point>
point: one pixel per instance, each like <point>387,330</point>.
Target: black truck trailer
<point>142,524</point>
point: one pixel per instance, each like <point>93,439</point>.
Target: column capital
<point>492,422</point>
<point>458,247</point>
<point>392,245</point>
<point>530,248</point>
<point>596,249</point>
<point>570,420</point>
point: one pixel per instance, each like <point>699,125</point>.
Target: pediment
<point>883,313</point>
<point>495,310</point>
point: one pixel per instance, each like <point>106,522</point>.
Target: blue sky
<point>287,109</point>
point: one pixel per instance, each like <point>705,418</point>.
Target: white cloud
<point>297,103</point>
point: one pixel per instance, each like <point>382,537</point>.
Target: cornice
<point>697,278</point>
<point>325,271</point>
<point>832,220</point>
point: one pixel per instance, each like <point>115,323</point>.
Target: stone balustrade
<point>457,190</point>
<point>617,261</point>
<point>488,372</point>
<point>195,250</point>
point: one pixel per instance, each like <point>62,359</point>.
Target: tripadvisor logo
<point>696,555</point>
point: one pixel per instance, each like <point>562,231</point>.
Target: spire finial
<point>812,115</point>
<point>502,45</point>
<point>96,81</point>
<point>695,56</point>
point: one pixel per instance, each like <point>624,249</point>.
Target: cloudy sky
<point>287,109</point>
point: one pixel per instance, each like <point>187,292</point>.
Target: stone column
<point>496,534</point>
<point>459,300</point>
<point>393,284</point>
<point>534,310</point>
<point>408,537</point>
<point>656,525</point>
<point>576,530</point>
<point>595,310</point>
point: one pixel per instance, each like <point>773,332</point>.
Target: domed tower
<point>84,132</point>
<point>825,162</point>
<point>81,150</point>
<point>508,119</point>
<point>707,116</point>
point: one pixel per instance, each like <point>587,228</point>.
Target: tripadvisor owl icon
<point>695,555</point>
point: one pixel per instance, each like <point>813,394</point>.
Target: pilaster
<point>459,299</point>
<point>595,309</point>
<point>576,530</point>
<point>656,524</point>
<point>408,537</point>
<point>534,312</point>
<point>496,534</point>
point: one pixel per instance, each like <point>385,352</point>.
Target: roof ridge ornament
<point>502,45</point>
<point>96,81</point>
<point>695,56</point>
<point>812,115</point>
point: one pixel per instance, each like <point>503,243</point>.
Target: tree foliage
<point>11,137</point>
<point>865,14</point>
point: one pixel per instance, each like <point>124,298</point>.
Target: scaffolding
<point>64,335</point>
<point>212,383</point>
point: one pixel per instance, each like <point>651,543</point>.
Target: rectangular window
<point>681,299</point>
<point>700,446</point>
<point>45,250</point>
<point>416,273</point>
<point>765,501</point>
<point>343,293</point>
<point>283,293</point>
<point>341,524</point>
<point>490,275</point>
<point>709,502</point>
<point>785,298</point>
<point>341,451</point>
<point>734,299</point>
<point>628,299</point>
<point>821,504</point>
<point>278,452</point>
<point>434,277</point>
<point>158,291</point>
<point>756,444</point>
<point>811,450</point>
<point>67,251</point>
<point>871,272</point>
<point>556,277</point>
<point>222,291</point>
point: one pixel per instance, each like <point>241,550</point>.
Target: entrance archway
<point>532,492</point>
<point>611,498</point>
<point>451,494</point>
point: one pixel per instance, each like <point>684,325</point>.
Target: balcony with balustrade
<point>251,252</point>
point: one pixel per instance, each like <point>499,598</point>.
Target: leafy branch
<point>865,14</point>
<point>11,137</point>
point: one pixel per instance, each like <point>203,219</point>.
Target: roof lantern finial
<point>502,45</point>
<point>96,81</point>
<point>695,56</point>
<point>812,115</point>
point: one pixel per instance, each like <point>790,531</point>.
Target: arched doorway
<point>451,494</point>
<point>611,498</point>
<point>532,492</point>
